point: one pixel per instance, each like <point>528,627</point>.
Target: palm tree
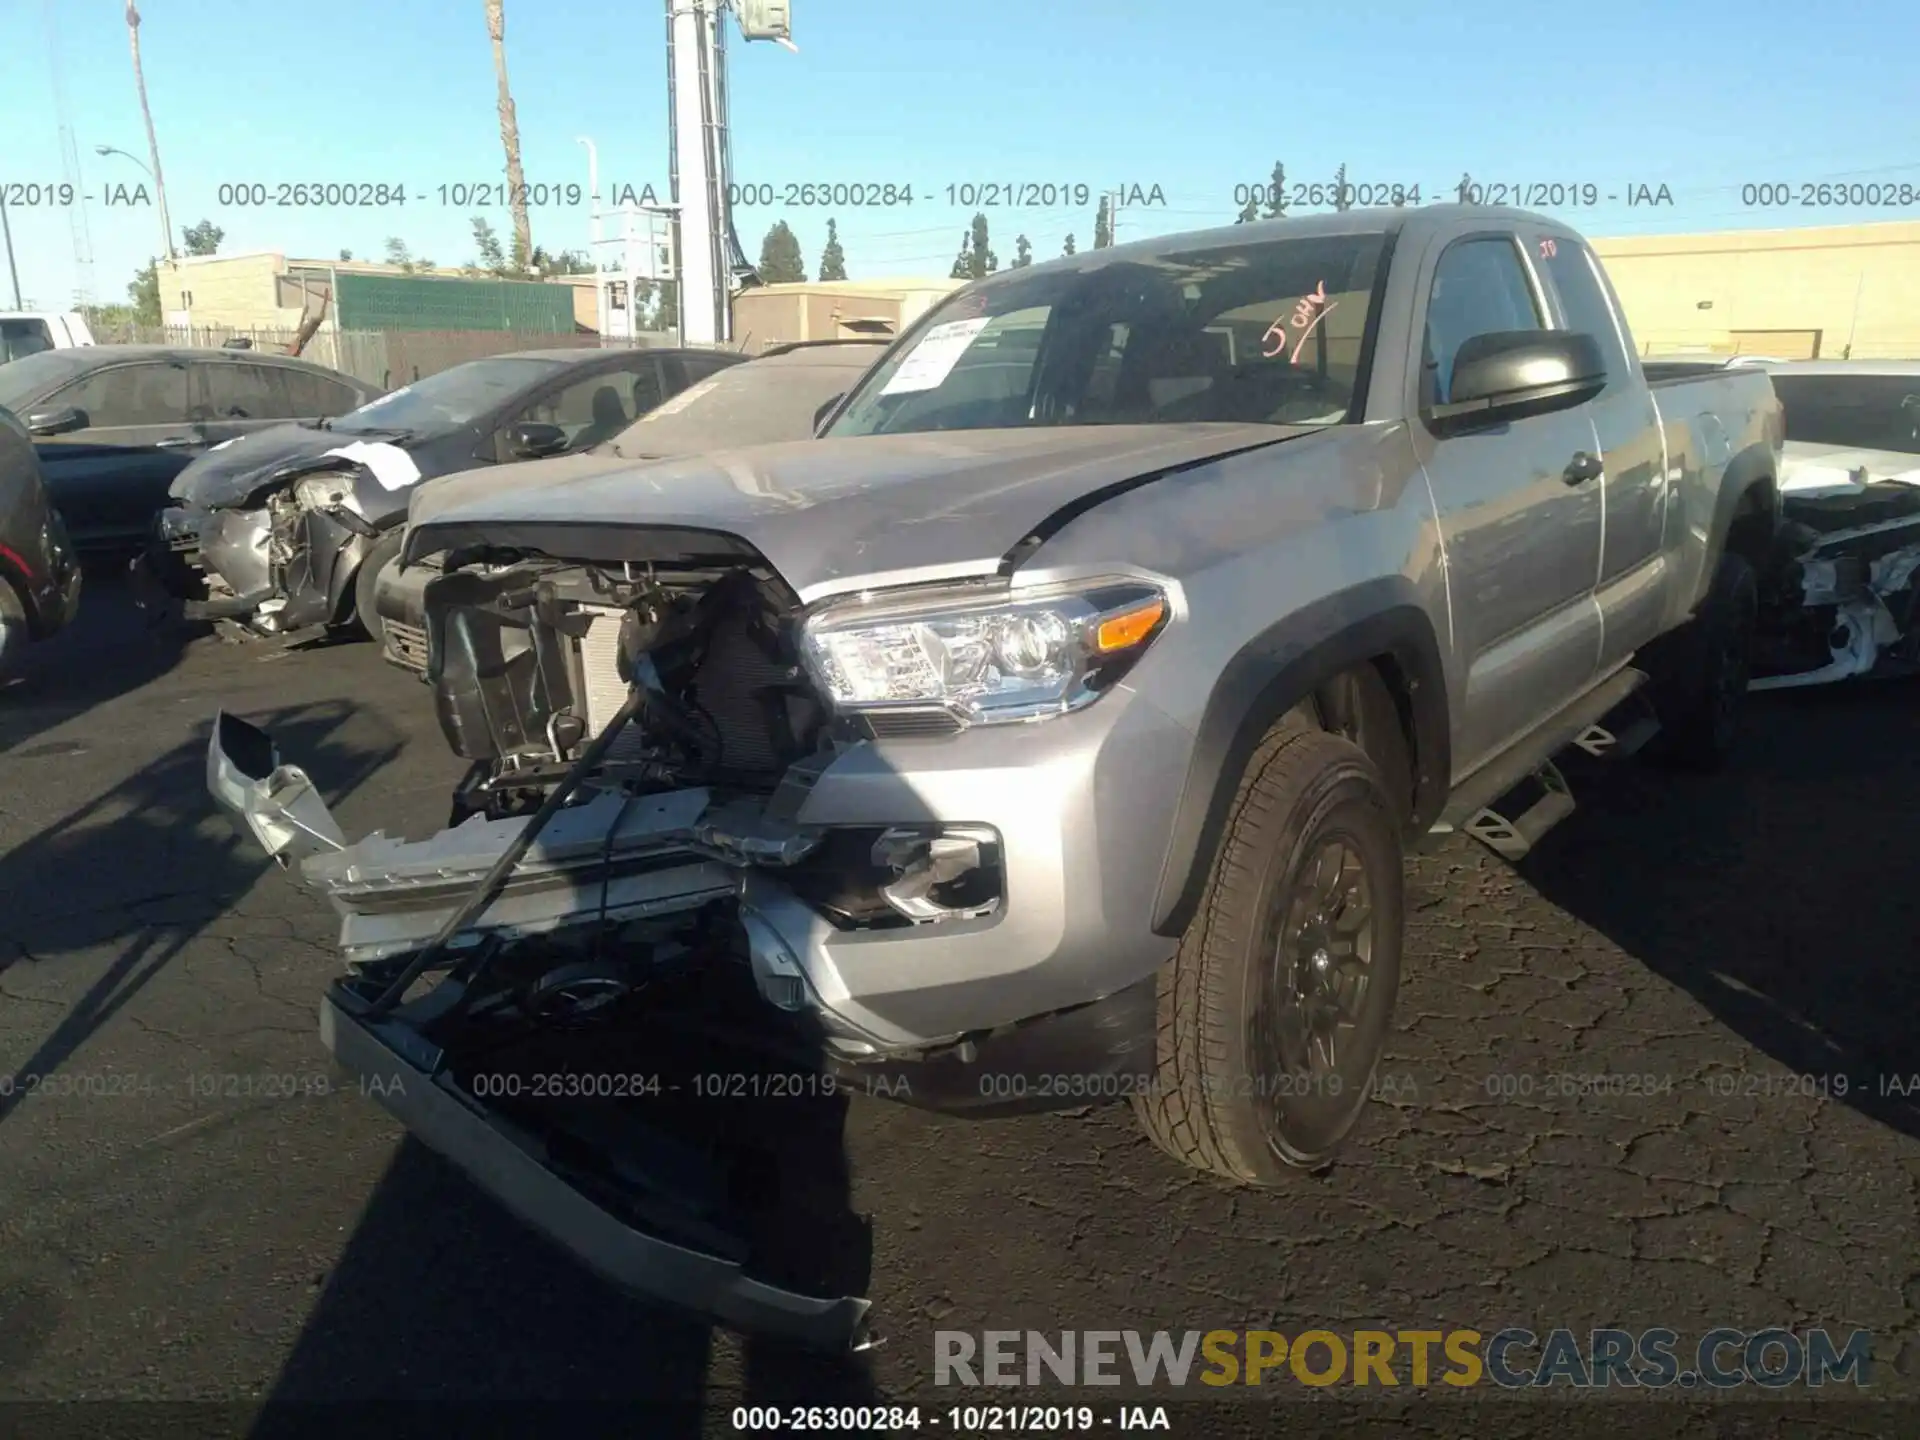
<point>509,137</point>
<point>146,113</point>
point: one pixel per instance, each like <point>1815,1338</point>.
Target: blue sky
<point>1703,96</point>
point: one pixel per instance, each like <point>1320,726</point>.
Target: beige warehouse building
<point>832,310</point>
<point>1817,292</point>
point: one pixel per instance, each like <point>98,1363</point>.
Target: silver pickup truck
<point>1050,729</point>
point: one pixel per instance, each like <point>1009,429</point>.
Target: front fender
<point>1283,666</point>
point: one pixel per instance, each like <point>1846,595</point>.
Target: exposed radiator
<point>726,692</point>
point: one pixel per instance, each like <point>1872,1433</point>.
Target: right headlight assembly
<point>983,660</point>
<point>329,490</point>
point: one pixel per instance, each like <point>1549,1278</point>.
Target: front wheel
<point>367,579</point>
<point>1274,1012</point>
<point>1700,673</point>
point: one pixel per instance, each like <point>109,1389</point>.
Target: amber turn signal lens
<point>1129,628</point>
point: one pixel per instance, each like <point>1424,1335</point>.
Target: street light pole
<point>166,235</point>
<point>600,307</point>
<point>7,229</point>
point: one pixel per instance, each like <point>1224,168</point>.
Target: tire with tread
<point>1300,784</point>
<point>1699,677</point>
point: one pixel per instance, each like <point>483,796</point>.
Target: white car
<point>28,332</point>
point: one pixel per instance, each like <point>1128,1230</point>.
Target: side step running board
<point>1514,838</point>
<point>1474,807</point>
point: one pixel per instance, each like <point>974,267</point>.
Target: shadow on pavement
<point>444,1306</point>
<point>1781,893</point>
<point>111,648</point>
<point>145,866</point>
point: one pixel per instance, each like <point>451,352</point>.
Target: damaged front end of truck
<point>620,909</point>
<point>1844,603</point>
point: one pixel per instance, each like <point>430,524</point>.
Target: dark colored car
<point>779,395</point>
<point>287,529</point>
<point>114,424</point>
<point>39,577</point>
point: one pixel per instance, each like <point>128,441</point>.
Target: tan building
<point>832,309</point>
<point>1826,292</point>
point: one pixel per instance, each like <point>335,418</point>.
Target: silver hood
<point>839,514</point>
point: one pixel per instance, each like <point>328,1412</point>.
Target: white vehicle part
<point>1861,629</point>
<point>389,464</point>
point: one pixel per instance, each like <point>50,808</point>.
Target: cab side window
<point>313,396</point>
<point>590,410</point>
<point>1571,268</point>
<point>242,392</point>
<point>147,394</point>
<point>1480,287</point>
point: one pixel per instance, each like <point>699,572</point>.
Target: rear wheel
<point>15,634</point>
<point>1275,1010</point>
<point>367,579</point>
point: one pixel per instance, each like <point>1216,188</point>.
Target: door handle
<point>1582,468</point>
<point>175,442</point>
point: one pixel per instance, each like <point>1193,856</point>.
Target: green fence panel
<point>408,302</point>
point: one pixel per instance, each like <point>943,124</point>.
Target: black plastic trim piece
<point>1271,674</point>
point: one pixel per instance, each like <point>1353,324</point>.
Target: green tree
<point>1463,192</point>
<point>833,260</point>
<point>666,315</point>
<point>1022,253</point>
<point>346,255</point>
<point>780,260</point>
<point>1249,212</point>
<point>1276,197</point>
<point>561,262</point>
<point>204,238</point>
<point>1341,199</point>
<point>144,292</point>
<point>398,254</point>
<point>1103,224</point>
<point>976,252</point>
<point>493,258</point>
<point>1067,249</point>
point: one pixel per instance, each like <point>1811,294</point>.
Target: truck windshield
<point>1263,333</point>
<point>449,399</point>
<point>1861,412</point>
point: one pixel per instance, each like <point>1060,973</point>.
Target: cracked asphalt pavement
<point>1743,944</point>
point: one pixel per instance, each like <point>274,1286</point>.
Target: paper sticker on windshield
<point>933,359</point>
<point>391,465</point>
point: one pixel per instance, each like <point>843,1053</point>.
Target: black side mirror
<point>533,440</point>
<point>826,408</point>
<point>1511,374</point>
<point>63,421</point>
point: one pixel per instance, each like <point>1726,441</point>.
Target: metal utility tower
<point>70,167</point>
<point>707,254</point>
